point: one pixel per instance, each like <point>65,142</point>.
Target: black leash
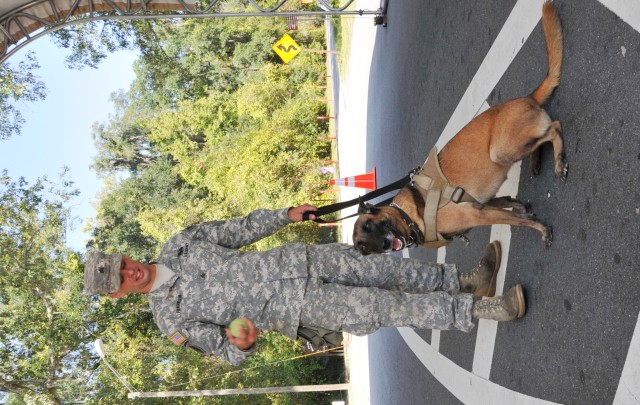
<point>330,209</point>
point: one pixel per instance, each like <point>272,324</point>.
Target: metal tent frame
<point>23,21</point>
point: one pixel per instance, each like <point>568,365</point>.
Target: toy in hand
<point>236,325</point>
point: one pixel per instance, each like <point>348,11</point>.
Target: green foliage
<point>126,214</point>
<point>123,143</point>
<point>151,363</point>
<point>91,42</point>
<point>18,85</point>
<point>42,310</point>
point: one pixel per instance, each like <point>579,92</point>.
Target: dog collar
<point>416,237</point>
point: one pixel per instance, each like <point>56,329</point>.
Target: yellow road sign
<point>286,48</point>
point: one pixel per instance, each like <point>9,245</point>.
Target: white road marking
<point>467,387</point>
<point>357,353</point>
<point>435,334</point>
<point>627,10</point>
<point>487,330</point>
<point>628,392</point>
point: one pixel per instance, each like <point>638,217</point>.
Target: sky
<point>57,131</point>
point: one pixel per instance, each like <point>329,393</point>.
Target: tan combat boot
<point>481,281</point>
<point>508,307</point>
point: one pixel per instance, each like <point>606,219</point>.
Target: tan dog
<point>476,160</point>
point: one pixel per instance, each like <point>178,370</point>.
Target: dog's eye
<point>367,226</point>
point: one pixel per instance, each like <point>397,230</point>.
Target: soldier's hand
<point>296,213</point>
<point>247,337</point>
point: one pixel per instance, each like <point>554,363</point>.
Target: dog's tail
<point>553,38</point>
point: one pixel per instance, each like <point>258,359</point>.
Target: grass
<point>343,33</point>
<point>343,26</point>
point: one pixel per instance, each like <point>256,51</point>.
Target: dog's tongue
<point>397,244</point>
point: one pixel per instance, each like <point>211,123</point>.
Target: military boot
<point>481,281</point>
<point>508,307</point>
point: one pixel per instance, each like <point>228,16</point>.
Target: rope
<point>260,366</point>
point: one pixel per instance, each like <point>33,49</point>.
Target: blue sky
<point>57,131</point>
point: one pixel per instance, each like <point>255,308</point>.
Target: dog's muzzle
<point>396,242</point>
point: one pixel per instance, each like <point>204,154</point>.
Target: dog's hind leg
<point>509,202</point>
<point>553,135</point>
<point>534,162</point>
<point>561,167</point>
<point>454,218</point>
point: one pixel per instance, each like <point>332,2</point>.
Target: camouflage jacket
<point>215,283</point>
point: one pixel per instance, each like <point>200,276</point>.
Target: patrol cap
<point>102,273</point>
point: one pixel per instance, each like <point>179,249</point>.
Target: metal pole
<point>98,345</point>
<point>240,391</point>
<point>59,26</point>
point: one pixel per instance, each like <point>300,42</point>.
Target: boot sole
<point>492,285</point>
<point>522,308</point>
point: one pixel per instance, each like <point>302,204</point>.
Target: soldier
<point>200,282</point>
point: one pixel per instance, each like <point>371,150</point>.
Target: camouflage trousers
<point>358,294</point>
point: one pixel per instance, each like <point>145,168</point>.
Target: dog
<point>471,168</point>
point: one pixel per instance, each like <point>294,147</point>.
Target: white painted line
<point>442,255</point>
<point>435,339</point>
<point>358,354</point>
<point>487,330</point>
<point>467,387</point>
<point>627,10</point>
<point>523,18</point>
<point>435,333</point>
<point>628,392</point>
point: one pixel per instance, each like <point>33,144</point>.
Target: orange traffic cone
<point>367,180</point>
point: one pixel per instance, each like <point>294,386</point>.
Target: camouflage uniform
<point>332,286</point>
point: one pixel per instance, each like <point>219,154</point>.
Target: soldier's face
<point>135,277</point>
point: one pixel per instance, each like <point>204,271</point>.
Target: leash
<point>330,209</point>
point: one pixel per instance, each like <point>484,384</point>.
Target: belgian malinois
<point>475,163</point>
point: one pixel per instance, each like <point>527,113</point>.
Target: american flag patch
<point>177,338</point>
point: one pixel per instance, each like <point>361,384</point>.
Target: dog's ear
<point>364,207</point>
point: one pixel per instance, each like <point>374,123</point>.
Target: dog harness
<point>437,192</point>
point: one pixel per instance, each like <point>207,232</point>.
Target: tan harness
<point>437,192</point>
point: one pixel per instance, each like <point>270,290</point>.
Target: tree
<point>123,143</point>
<point>136,214</point>
<point>91,42</point>
<point>17,85</point>
<point>42,310</point>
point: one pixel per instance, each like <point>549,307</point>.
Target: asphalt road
<point>583,292</point>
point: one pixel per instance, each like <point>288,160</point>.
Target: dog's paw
<point>522,208</point>
<point>562,168</point>
<point>535,168</point>
<point>547,239</point>
<point>535,162</point>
